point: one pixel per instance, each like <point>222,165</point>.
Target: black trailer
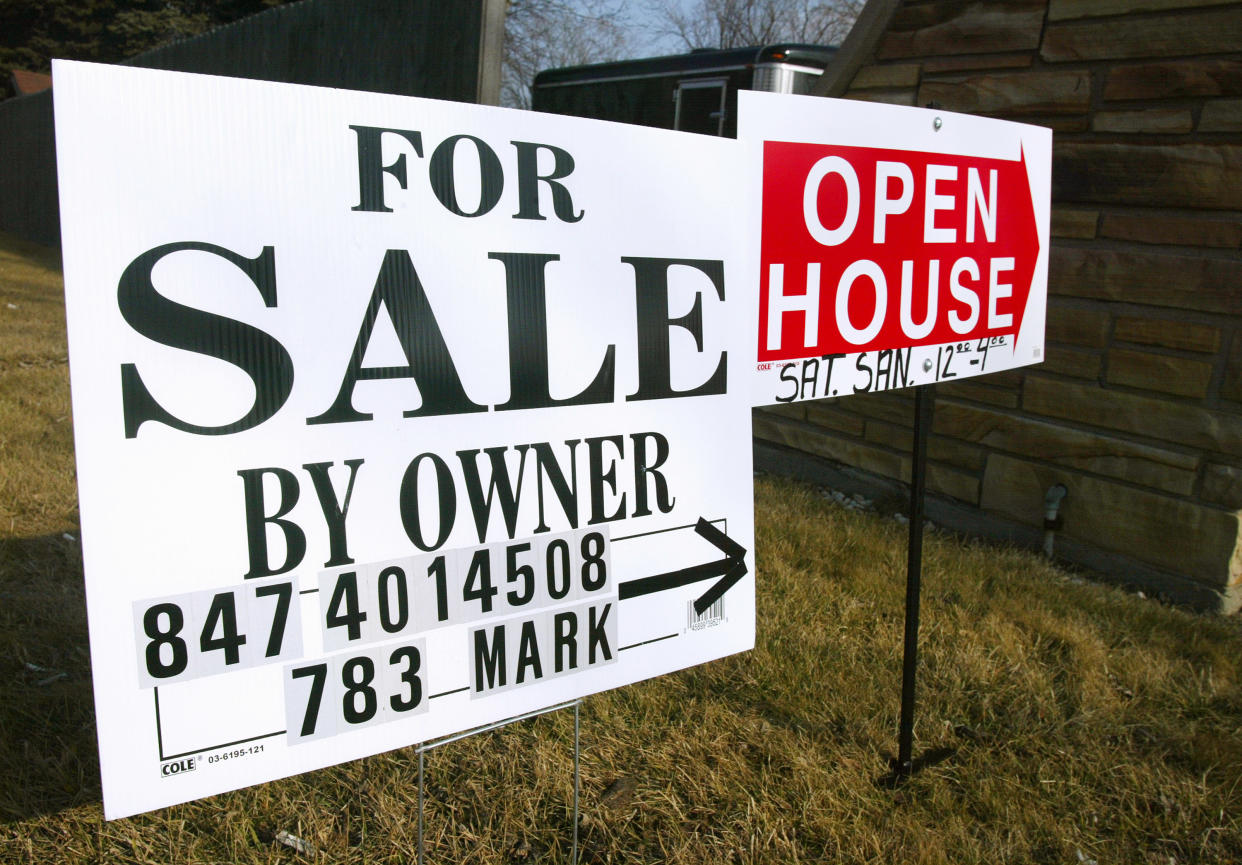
<point>695,92</point>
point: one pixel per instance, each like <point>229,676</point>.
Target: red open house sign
<point>866,249</point>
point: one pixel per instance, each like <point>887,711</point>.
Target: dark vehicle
<point>695,92</point>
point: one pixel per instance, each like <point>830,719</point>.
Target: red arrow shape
<point>884,236</point>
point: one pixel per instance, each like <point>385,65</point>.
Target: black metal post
<point>924,401</point>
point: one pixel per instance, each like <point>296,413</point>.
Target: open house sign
<point>898,247</point>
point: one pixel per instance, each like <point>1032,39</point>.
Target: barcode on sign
<point>712,616</point>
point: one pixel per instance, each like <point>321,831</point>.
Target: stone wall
<point>1138,406</point>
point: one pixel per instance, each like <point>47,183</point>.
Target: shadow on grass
<point>48,755</point>
<point>898,775</point>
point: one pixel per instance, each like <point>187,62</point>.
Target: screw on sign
<point>871,249</point>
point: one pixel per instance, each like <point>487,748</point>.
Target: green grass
<point>1068,720</point>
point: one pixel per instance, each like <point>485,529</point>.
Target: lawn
<point>1059,720</point>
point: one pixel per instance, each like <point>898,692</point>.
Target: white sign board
<point>393,417</point>
<point>899,246</point>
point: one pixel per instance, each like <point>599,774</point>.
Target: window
<point>701,106</point>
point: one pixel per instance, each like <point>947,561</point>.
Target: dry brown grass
<point>1069,721</point>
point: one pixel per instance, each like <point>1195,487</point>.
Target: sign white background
<point>766,117</point>
<point>147,158</point>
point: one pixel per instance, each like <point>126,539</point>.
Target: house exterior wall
<point>1137,408</point>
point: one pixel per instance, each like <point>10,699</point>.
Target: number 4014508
<point>386,601</point>
<point>199,634</point>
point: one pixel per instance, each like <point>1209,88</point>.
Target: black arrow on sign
<point>731,568</point>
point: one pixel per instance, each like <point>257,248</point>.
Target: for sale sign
<point>898,246</point>
<point>393,417</point>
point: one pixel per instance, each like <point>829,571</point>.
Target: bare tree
<point>737,23</point>
<point>545,34</point>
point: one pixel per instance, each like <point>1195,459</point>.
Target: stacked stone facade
<point>1137,408</point>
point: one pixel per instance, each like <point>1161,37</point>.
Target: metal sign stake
<point>924,401</point>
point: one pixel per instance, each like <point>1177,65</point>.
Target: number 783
<point>345,693</point>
